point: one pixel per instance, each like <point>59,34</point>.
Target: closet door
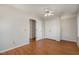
<point>69,29</point>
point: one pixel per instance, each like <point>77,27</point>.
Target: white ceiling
<point>39,9</point>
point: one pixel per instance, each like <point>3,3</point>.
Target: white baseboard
<point>13,48</point>
<point>78,42</point>
<point>57,40</point>
<point>52,39</point>
<point>78,45</point>
<point>69,40</point>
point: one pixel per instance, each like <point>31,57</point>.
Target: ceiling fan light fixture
<point>48,12</point>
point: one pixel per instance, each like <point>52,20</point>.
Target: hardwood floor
<point>46,47</point>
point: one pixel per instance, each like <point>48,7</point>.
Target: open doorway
<point>32,30</point>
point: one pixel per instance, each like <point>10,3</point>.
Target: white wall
<point>15,27</point>
<point>69,27</point>
<point>78,29</point>
<point>61,28</point>
<point>78,25</point>
<point>39,31</point>
<point>12,28</point>
<point>52,28</point>
<point>43,28</point>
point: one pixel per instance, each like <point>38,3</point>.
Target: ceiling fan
<point>48,12</point>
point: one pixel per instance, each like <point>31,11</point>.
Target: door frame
<point>31,31</point>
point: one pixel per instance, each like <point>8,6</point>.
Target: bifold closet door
<point>69,29</point>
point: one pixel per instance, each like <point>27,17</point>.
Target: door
<point>69,29</point>
<point>32,30</point>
